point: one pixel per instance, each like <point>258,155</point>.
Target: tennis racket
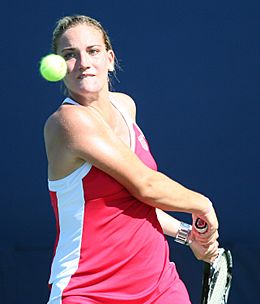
<point>217,276</point>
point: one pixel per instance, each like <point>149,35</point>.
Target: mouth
<point>83,76</point>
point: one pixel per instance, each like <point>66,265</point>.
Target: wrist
<point>207,209</point>
<point>183,234</point>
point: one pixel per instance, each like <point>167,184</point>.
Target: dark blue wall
<point>193,69</point>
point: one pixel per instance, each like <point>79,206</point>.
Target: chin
<point>84,93</point>
<point>89,88</point>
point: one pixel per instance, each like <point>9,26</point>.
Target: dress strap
<point>71,101</point>
<point>128,119</point>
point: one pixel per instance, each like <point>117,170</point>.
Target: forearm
<point>169,224</point>
<point>166,194</point>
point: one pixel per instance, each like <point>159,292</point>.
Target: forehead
<point>81,35</point>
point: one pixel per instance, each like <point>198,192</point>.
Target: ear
<point>111,60</point>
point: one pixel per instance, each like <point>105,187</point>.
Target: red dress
<point>110,247</point>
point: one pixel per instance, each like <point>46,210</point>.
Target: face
<point>87,59</point>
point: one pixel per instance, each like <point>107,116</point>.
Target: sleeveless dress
<point>110,247</point>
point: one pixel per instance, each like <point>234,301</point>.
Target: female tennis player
<point>107,194</point>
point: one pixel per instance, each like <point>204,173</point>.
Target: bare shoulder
<point>55,125</point>
<point>126,101</point>
<point>66,119</point>
<point>67,125</point>
<point>64,132</point>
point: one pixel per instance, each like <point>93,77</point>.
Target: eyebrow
<point>73,48</point>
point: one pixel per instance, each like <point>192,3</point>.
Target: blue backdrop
<point>193,69</point>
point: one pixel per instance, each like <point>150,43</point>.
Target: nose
<point>84,61</point>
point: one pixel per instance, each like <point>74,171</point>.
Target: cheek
<point>103,63</point>
<point>70,65</point>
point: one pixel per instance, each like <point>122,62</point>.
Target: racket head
<point>217,279</point>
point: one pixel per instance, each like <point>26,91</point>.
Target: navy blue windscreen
<point>193,69</point>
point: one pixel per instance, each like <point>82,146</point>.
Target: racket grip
<point>201,226</point>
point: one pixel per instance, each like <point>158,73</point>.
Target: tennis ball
<point>53,67</point>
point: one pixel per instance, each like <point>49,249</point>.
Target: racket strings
<point>218,283</point>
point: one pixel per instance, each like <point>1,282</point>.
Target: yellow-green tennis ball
<point>53,67</point>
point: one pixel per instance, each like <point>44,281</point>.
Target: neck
<point>99,103</point>
<point>90,98</point>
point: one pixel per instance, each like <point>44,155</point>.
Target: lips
<point>82,76</point>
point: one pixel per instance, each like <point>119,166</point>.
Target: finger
<point>205,242</point>
<point>212,252</point>
<point>207,239</point>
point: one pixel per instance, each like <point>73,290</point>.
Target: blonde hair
<point>70,21</point>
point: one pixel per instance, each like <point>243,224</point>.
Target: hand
<point>210,218</point>
<point>204,253</point>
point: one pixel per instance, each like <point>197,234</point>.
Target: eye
<point>69,55</point>
<point>93,52</point>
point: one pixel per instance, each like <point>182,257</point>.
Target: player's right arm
<point>83,136</point>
